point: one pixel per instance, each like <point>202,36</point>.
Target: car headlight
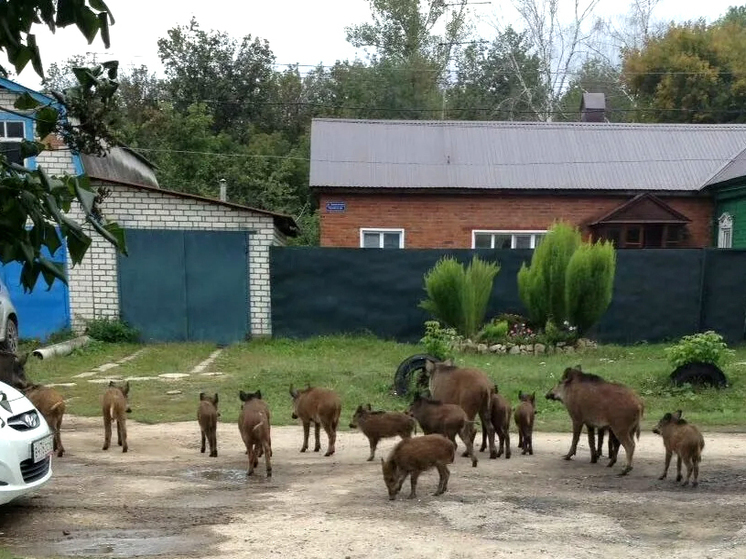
<point>2,423</point>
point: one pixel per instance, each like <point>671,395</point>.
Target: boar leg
<point>107,431</point>
<point>252,459</point>
<point>122,427</point>
<point>629,449</point>
<point>595,454</point>
<point>577,427</point>
<point>214,443</point>
<point>485,416</point>
<point>443,475</point>
<point>331,433</point>
<point>316,433</point>
<point>119,433</point>
<point>306,431</point>
<point>373,444</point>
<point>666,464</point>
<point>678,467</point>
<point>696,473</point>
<point>688,464</point>
<point>203,440</point>
<point>484,441</point>
<point>465,434</point>
<point>413,480</point>
<point>267,454</point>
<point>507,442</point>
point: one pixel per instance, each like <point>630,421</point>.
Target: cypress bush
<point>590,283</point>
<point>541,286</point>
<point>459,297</point>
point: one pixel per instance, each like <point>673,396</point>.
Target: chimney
<point>593,107</point>
<point>223,192</point>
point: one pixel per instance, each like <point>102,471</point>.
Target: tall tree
<point>31,195</point>
<point>598,75</point>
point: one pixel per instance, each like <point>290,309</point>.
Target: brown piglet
<point>411,457</point>
<point>448,420</point>
<point>684,440</point>
<point>377,425</point>
<point>254,426</point>
<point>321,407</point>
<point>207,417</point>
<point>51,405</point>
<point>501,412</point>
<point>115,408</point>
<point>524,421</point>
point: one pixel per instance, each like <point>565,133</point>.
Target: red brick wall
<point>447,220</point>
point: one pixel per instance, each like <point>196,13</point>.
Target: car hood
<point>11,394</point>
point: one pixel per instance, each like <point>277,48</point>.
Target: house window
<point>506,239</point>
<point>725,231</point>
<point>382,238</point>
<point>12,133</point>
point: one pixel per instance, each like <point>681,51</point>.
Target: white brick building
<point>140,206</point>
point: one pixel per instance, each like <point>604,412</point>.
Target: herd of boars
<point>457,396</point>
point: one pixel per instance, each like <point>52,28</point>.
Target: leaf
<point>29,275</point>
<point>25,102</point>
<point>77,241</point>
<point>51,238</point>
<point>46,121</point>
<point>87,22</point>
<point>31,149</point>
<point>51,271</point>
<point>35,55</point>
<point>20,58</point>
<point>65,12</point>
<point>103,24</point>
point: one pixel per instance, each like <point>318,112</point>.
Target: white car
<point>8,321</point>
<point>25,446</point>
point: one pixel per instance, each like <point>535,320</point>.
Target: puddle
<point>127,543</point>
<point>232,476</point>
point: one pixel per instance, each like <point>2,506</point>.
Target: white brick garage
<point>94,288</point>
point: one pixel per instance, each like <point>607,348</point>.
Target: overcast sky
<point>298,31</point>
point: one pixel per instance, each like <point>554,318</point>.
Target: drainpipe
<point>223,192</point>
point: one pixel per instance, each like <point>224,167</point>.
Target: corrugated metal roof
<point>520,155</point>
<point>121,165</point>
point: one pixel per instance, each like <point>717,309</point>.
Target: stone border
<point>527,349</point>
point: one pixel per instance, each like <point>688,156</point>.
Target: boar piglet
<point>254,426</point>
<point>51,405</point>
<point>448,420</point>
<point>13,369</point>
<point>377,425</point>
<point>321,407</point>
<point>115,408</point>
<point>524,421</point>
<point>501,412</point>
<point>471,389</point>
<point>412,456</point>
<point>207,417</point>
<point>683,439</point>
<point>592,401</point>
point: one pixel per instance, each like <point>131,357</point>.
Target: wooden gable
<point>644,208</point>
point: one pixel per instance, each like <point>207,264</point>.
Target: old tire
<point>407,368</point>
<point>699,374</point>
<point>10,343</point>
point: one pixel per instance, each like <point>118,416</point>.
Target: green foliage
<point>704,347</point>
<point>111,331</point>
<point>458,297</point>
<point>590,283</point>
<point>438,341</point>
<point>554,334</point>
<point>541,286</point>
<point>494,332</point>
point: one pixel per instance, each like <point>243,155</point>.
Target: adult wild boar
<point>469,388</point>
<point>590,400</point>
<point>12,369</point>
<point>683,439</point>
<point>321,407</point>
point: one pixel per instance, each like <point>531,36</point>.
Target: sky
<point>298,31</point>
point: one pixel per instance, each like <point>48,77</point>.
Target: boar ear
<point>520,394</point>
<point>293,392</point>
<point>497,390</point>
<point>677,415</point>
<point>258,394</point>
<point>369,408</point>
<point>126,389</point>
<point>381,461</point>
<point>429,366</point>
<point>201,396</point>
<point>111,383</point>
<point>22,359</point>
<point>533,396</point>
<point>578,367</point>
<point>215,400</point>
<point>242,396</point>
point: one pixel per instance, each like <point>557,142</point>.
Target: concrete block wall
<point>93,282</point>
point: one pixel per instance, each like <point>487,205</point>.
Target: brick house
<point>198,268</point>
<point>469,184</point>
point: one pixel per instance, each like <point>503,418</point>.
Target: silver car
<point>8,321</point>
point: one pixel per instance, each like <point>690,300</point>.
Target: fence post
<point>702,287</point>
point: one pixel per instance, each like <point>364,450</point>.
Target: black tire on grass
<point>407,368</point>
<point>699,374</point>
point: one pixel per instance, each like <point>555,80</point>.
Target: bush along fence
<point>658,294</point>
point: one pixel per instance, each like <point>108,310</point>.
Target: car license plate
<point>42,448</point>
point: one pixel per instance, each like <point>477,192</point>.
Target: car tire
<point>407,369</point>
<point>10,343</point>
<point>699,374</point>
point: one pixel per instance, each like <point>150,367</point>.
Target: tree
<point>589,283</point>
<point>597,75</point>
<point>76,114</point>
<point>694,72</point>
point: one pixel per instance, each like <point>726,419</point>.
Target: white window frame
<point>12,139</point>
<point>725,231</point>
<point>381,231</point>
<point>512,232</point>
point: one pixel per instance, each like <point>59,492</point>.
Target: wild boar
<point>12,369</point>
<point>115,408</point>
<point>448,420</point>
<point>411,457</point>
<point>377,425</point>
<point>469,388</point>
<point>524,421</point>
<point>590,400</point>
<point>321,407</point>
<point>501,412</point>
<point>51,405</point>
<point>254,426</point>
<point>207,418</point>
<point>683,439</point>
<point>597,451</point>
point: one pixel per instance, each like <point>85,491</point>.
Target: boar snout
<point>656,430</point>
<point>294,415</point>
<point>128,410</point>
<point>353,426</point>
<point>551,396</point>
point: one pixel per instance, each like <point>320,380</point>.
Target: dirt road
<point>166,499</point>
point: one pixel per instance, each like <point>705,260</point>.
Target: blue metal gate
<point>41,312</point>
<point>186,285</point>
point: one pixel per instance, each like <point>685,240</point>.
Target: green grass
<point>362,370</point>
